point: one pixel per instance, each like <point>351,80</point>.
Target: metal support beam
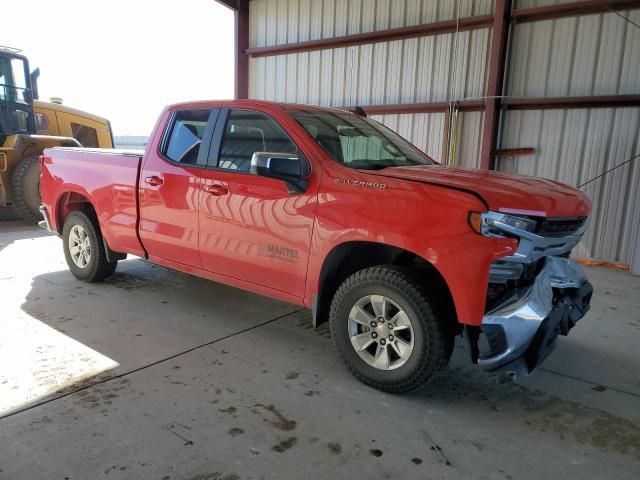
<point>432,107</point>
<point>497,60</point>
<point>413,31</point>
<point>236,5</point>
<point>241,88</point>
<point>555,103</point>
<point>515,152</point>
<point>241,40</point>
<point>508,103</point>
<point>572,9</point>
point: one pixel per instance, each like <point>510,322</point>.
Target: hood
<point>502,192</point>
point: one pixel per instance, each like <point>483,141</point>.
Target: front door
<point>252,228</point>
<point>170,188</point>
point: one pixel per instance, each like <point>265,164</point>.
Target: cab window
<point>247,132</point>
<point>185,136</point>
<point>42,121</point>
<point>87,136</point>
<point>13,80</point>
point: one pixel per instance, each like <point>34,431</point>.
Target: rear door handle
<point>216,189</point>
<point>153,180</point>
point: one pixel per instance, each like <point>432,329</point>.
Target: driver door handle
<point>153,180</point>
<point>216,189</point>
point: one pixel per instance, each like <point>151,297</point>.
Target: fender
<point>426,220</point>
<point>111,192</point>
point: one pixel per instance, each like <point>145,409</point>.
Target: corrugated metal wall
<point>541,3</point>
<point>587,142</point>
<point>590,55</point>
<point>426,131</point>
<point>276,22</point>
<point>428,69</point>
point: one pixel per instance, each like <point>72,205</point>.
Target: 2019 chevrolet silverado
<point>328,209</point>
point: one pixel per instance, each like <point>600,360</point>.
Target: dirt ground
<point>158,375</point>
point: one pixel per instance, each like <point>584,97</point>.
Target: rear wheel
<point>387,331</point>
<point>84,248</point>
<point>25,189</point>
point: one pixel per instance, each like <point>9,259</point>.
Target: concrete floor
<point>158,375</point>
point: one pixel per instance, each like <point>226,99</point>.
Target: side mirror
<point>282,166</point>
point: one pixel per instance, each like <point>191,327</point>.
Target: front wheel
<point>387,330</point>
<point>84,248</point>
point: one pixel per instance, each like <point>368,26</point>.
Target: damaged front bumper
<point>522,330</point>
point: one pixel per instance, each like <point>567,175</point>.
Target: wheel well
<point>70,202</point>
<point>348,258</point>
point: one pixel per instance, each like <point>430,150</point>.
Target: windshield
<point>16,114</point>
<point>13,80</point>
<point>358,142</point>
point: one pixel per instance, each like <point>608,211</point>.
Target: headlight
<point>500,224</point>
<point>520,223</point>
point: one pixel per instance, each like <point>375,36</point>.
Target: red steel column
<point>241,89</point>
<point>497,60</point>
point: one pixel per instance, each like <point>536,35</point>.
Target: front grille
<point>505,277</point>
<point>560,227</point>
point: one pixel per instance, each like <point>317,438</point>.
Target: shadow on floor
<point>145,313</point>
<point>13,230</point>
<point>7,213</point>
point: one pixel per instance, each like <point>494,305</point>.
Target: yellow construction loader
<point>27,126</point>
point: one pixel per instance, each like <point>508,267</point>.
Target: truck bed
<point>108,178</point>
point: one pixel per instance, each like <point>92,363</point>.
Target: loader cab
<point>16,95</point>
<point>28,126</point>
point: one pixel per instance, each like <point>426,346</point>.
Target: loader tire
<point>25,189</point>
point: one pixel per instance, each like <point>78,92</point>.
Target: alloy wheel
<point>381,332</point>
<point>79,246</point>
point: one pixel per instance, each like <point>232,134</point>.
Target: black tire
<point>432,337</point>
<point>25,189</point>
<point>97,267</point>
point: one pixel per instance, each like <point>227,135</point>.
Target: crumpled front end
<point>534,295</point>
<point>522,330</point>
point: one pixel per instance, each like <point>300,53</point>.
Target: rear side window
<point>42,121</point>
<point>185,136</point>
<point>87,136</point>
<point>248,132</point>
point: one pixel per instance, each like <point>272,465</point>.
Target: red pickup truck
<point>328,209</point>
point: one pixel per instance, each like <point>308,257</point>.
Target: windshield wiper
<point>374,167</point>
<point>382,166</point>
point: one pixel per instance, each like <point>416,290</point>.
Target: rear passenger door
<point>253,228</point>
<point>170,187</point>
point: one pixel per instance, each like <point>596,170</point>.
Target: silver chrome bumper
<point>44,223</point>
<point>522,330</point>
